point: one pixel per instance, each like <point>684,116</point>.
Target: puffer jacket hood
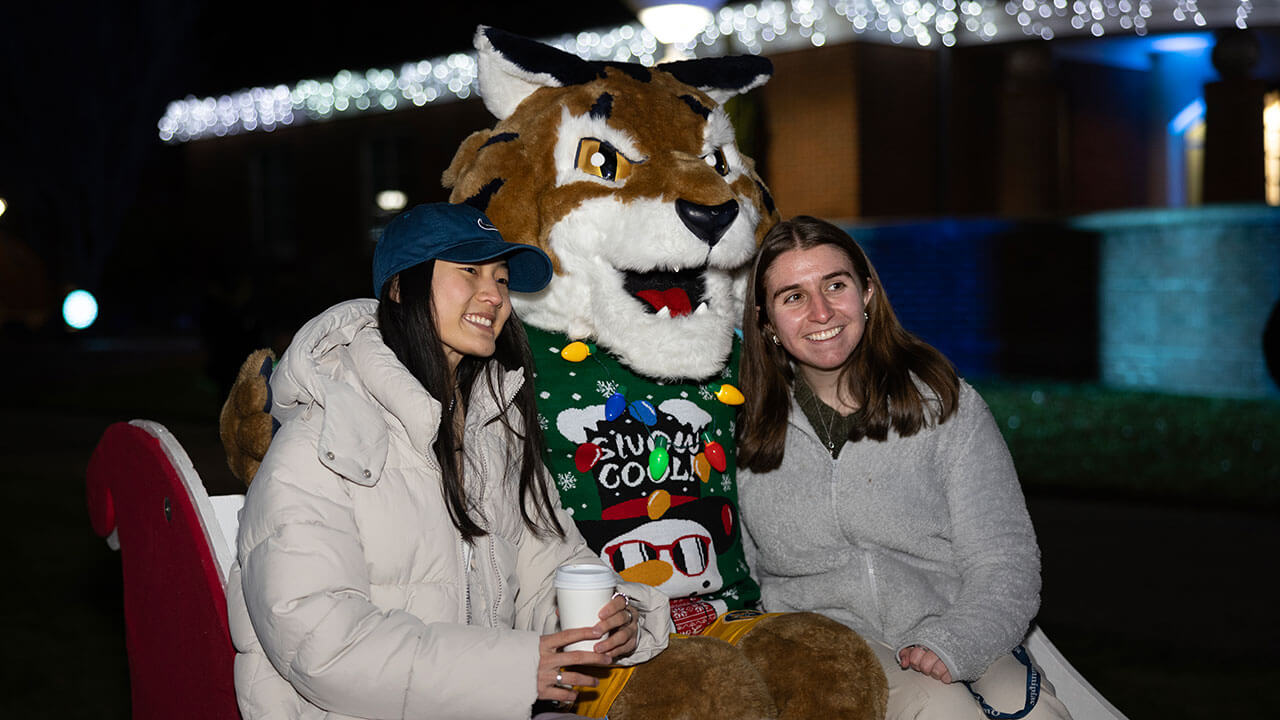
<point>340,353</point>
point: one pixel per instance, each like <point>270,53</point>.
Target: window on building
<point>1271,144</point>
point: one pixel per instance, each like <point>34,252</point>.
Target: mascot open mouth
<point>679,292</point>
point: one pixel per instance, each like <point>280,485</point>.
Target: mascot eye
<point>717,161</point>
<point>599,158</point>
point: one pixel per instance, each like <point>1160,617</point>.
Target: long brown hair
<point>409,329</point>
<point>877,374</point>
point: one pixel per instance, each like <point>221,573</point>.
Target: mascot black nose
<point>707,222</point>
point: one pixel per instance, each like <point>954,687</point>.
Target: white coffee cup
<point>581,591</point>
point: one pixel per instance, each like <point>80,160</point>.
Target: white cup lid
<point>585,577</point>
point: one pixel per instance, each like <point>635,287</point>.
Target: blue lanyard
<point>1033,691</point>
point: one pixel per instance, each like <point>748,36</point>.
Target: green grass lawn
<point>1090,439</point>
<point>1065,437</point>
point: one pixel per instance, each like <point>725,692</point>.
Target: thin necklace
<point>826,433</point>
<point>824,412</point>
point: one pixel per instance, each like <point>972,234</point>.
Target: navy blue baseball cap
<point>457,233</point>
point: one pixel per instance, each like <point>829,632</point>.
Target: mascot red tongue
<point>675,300</point>
<point>629,177</point>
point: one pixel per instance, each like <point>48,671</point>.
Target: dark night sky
<point>82,85</point>
<point>281,44</point>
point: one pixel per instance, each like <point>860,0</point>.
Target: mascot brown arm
<point>245,424</point>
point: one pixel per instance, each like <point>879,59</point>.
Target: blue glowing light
<point>79,309</point>
<point>1188,115</point>
<point>1182,43</point>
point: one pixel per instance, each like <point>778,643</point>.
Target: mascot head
<point>630,179</point>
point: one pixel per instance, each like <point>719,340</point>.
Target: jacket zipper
<point>866,552</point>
<point>497,601</point>
<point>493,553</point>
<point>466,576</point>
<point>875,588</point>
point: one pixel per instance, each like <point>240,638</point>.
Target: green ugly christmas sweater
<point>646,470</point>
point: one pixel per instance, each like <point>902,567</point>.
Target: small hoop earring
<point>776,341</point>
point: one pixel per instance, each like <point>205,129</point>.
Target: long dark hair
<point>877,374</point>
<point>409,329</point>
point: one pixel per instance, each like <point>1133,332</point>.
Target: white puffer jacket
<point>353,594</point>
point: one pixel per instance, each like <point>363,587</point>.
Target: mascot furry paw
<point>245,423</point>
<point>630,179</point>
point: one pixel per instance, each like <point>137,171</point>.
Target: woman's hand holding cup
<point>555,680</point>
<point>620,625</point>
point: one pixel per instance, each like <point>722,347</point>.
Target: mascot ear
<point>464,157</point>
<point>511,67</point>
<point>722,77</point>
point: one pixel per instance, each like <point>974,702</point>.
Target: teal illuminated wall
<point>1184,296</point>
<point>1163,300</point>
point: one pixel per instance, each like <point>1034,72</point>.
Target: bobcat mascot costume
<point>630,180</point>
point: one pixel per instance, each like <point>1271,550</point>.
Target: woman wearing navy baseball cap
<point>398,544</point>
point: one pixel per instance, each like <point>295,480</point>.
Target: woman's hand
<point>623,625</point>
<point>924,660</point>
<point>555,680</point>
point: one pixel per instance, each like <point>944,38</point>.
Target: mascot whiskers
<point>629,177</point>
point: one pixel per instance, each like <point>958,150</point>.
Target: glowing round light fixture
<point>3,206</point>
<point>392,200</point>
<point>79,309</point>
<point>675,23</point>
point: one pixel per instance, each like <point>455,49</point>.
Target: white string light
<point>1038,18</point>
<point>757,27</point>
<point>451,77</point>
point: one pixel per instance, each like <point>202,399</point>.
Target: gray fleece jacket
<point>923,540</point>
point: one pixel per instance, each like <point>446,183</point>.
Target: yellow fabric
<point>595,702</point>
<point>731,626</point>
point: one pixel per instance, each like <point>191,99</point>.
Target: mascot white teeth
<point>630,179</point>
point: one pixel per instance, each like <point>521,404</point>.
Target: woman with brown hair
<point>876,488</point>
